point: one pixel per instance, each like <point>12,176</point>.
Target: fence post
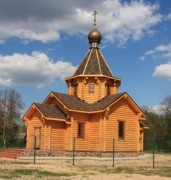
<point>73,152</point>
<point>153,153</point>
<point>34,149</point>
<point>113,152</point>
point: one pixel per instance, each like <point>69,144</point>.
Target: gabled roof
<point>51,111</point>
<point>93,64</point>
<point>74,103</point>
<point>48,111</point>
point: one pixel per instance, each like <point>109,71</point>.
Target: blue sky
<point>43,41</point>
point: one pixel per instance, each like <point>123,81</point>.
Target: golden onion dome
<point>94,36</point>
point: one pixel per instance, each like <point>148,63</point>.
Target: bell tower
<point>93,79</point>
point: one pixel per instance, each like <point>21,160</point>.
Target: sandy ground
<point>91,169</point>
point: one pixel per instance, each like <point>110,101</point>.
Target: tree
<point>11,106</point>
<point>159,126</point>
<point>166,107</point>
<point>156,124</point>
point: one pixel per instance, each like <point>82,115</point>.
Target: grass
<point>37,173</point>
<point>18,173</point>
<point>32,172</point>
<point>13,162</point>
<point>163,171</point>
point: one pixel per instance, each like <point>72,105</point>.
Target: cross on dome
<point>94,14</point>
<point>94,35</point>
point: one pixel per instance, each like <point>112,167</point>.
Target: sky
<point>44,41</point>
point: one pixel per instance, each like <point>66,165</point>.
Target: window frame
<point>81,130</point>
<point>121,130</point>
<point>75,89</point>
<point>91,88</point>
<point>109,89</point>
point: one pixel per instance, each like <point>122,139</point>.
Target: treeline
<point>11,106</point>
<point>159,123</point>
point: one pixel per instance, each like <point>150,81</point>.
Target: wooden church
<point>93,111</point>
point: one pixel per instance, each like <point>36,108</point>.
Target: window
<point>108,89</point>
<point>75,89</point>
<point>81,127</point>
<point>91,88</point>
<point>121,130</point>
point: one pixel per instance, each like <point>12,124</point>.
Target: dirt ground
<point>89,169</point>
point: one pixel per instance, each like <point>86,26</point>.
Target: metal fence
<point>151,159</point>
<point>152,148</point>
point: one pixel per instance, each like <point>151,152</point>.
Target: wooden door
<point>37,133</point>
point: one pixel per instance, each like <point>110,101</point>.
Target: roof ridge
<point>98,62</point>
<point>51,109</point>
<point>87,61</point>
<point>58,92</point>
<point>41,104</point>
<point>81,62</point>
<point>93,63</point>
<point>105,62</point>
<point>75,103</point>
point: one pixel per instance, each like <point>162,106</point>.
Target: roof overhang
<point>90,76</point>
<point>34,108</point>
<point>125,96</point>
<point>143,124</point>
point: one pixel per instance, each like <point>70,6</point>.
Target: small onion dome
<point>94,36</point>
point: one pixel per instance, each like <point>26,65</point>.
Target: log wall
<point>100,129</point>
<point>58,134</point>
<point>122,111</point>
<point>91,139</point>
<point>81,144</point>
<point>35,122</point>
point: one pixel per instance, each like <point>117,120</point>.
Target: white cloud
<point>2,41</point>
<point>142,58</point>
<point>158,109</point>
<point>168,17</point>
<point>35,69</point>
<point>129,20</point>
<point>43,20</point>
<point>163,71</point>
<point>160,52</point>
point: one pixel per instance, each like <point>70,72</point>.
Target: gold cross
<point>94,14</point>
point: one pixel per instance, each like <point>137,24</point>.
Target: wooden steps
<point>10,153</point>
